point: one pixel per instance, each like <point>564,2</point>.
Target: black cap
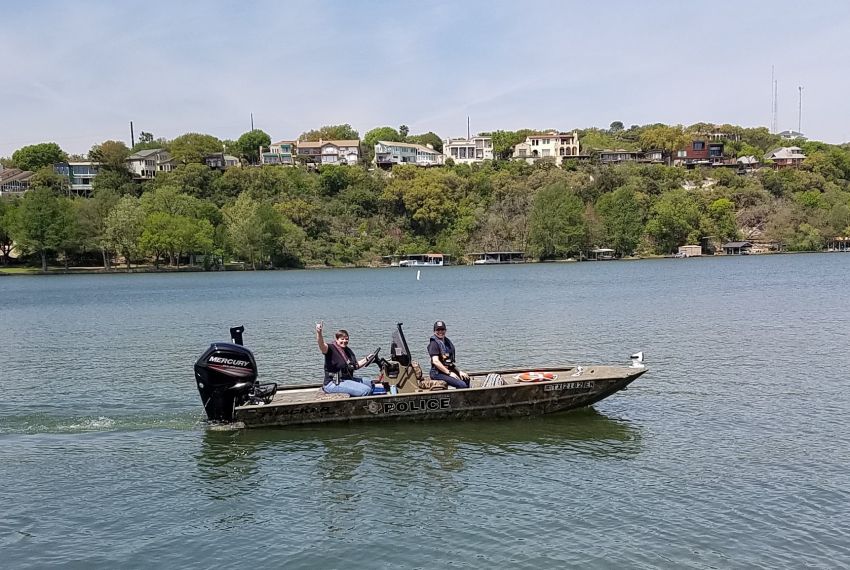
<point>439,325</point>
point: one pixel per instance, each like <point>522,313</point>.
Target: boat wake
<point>33,424</point>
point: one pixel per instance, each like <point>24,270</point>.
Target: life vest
<point>447,352</point>
<point>340,363</point>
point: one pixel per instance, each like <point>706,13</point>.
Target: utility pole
<point>132,136</point>
<point>252,121</point>
<point>800,112</point>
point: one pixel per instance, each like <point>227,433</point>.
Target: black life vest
<point>447,351</point>
<point>340,363</point>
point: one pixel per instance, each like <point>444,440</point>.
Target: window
<point>699,145</point>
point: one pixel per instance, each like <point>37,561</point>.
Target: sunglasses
<point>440,330</point>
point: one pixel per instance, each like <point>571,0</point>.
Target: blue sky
<point>78,72</point>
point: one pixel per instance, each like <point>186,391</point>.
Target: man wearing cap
<point>442,353</point>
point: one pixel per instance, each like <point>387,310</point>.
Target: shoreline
<point>8,271</point>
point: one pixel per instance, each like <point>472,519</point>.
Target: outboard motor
<point>226,375</point>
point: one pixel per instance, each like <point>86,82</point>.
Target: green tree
<point>249,145</point>
<point>333,179</point>
<point>118,181</point>
<point>193,179</point>
<point>720,220</point>
<point>124,227</point>
<point>429,138</point>
<point>159,236</point>
<point>193,147</point>
<point>38,156</point>
<point>557,225</point>
<point>8,220</point>
<point>73,238</point>
<point>381,134</point>
<point>505,141</point>
<point>244,230</point>
<point>47,177</point>
<point>616,127</point>
<point>112,155</point>
<point>331,133</point>
<point>92,214</point>
<point>42,222</point>
<point>623,218</point>
<point>663,137</point>
<point>147,142</point>
<point>674,221</point>
<point>403,130</point>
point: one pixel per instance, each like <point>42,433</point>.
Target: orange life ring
<point>536,376</point>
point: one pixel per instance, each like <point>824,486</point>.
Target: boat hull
<point>576,389</point>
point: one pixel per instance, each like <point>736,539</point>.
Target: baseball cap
<point>439,325</point>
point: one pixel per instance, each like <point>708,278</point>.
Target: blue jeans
<point>450,380</point>
<point>353,387</point>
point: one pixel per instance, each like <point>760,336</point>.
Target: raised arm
<point>323,346</point>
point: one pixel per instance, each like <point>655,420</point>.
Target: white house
<point>469,151</point>
<point>388,153</point>
<point>552,145</point>
<point>144,165</point>
<point>330,152</point>
<point>281,152</point>
<point>786,156</point>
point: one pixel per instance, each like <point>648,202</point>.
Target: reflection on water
<point>427,453</point>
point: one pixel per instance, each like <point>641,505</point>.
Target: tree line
<point>277,216</point>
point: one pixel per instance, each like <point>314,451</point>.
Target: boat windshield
<point>399,350</point>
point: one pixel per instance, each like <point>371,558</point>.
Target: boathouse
<point>737,248</point>
<point>690,250</point>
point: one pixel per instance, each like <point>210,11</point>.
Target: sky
<point>76,73</point>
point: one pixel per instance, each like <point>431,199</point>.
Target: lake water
<point>732,452</point>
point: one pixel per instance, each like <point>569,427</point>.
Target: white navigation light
<point>637,360</point>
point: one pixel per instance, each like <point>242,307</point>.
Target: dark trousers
<point>450,380</point>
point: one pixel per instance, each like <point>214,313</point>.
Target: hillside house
<point>281,152</point>
<point>469,151</point>
<point>321,152</point>
<point>388,153</point>
<point>145,164</point>
<point>786,157</point>
<point>553,145</point>
<point>700,152</point>
<point>14,181</point>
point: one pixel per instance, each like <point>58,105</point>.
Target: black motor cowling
<point>225,374</point>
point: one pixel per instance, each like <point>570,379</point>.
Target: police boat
<point>226,377</point>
